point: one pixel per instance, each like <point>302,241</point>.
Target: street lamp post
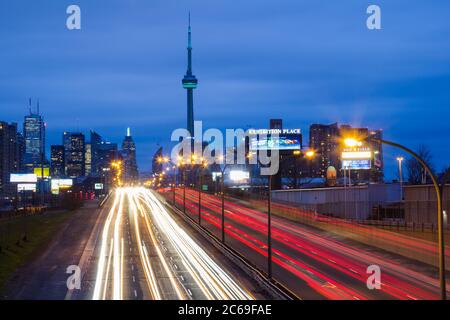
<point>400,173</point>
<point>269,229</point>
<point>184,190</point>
<point>223,204</point>
<point>440,216</point>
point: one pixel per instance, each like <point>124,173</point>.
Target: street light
<point>400,174</point>
<point>349,142</point>
<point>203,166</point>
<point>221,159</point>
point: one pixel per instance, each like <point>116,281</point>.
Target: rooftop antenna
<point>38,106</point>
<point>128,132</point>
<point>29,105</point>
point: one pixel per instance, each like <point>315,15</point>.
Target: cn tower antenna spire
<point>190,83</point>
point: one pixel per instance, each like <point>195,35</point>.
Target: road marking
<point>189,292</point>
<point>132,267</point>
<point>135,293</point>
<point>134,279</point>
<point>354,271</point>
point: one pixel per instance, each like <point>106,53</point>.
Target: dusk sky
<point>302,61</point>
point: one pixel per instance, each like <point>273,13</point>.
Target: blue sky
<point>303,61</point>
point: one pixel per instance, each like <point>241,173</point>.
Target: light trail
<point>210,277</point>
<point>103,252</point>
<point>143,253</point>
<point>148,217</point>
<point>398,281</point>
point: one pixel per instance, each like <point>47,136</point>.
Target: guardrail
<point>275,288</point>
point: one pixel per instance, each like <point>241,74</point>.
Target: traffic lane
<point>222,263</point>
<point>356,279</point>
<point>314,276</point>
<point>423,290</point>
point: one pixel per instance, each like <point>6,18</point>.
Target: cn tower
<point>190,83</point>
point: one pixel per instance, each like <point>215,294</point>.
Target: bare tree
<point>416,172</point>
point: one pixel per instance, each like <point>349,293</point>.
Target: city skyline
<point>396,98</point>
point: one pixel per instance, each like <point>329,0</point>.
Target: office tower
<point>324,140</point>
<point>34,135</point>
<point>88,159</point>
<point>96,141</point>
<point>74,154</point>
<point>57,161</point>
<point>10,159</point>
<point>190,83</point>
<point>130,171</point>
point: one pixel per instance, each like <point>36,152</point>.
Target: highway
<point>309,261</point>
<point>143,253</point>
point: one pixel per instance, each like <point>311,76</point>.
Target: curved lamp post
<point>353,142</point>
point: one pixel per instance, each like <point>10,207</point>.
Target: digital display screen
<point>23,177</point>
<point>283,142</point>
<point>364,164</point>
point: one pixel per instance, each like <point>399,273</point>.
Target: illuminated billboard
<point>283,142</point>
<point>239,175</point>
<point>357,164</point>
<point>98,186</point>
<point>23,177</point>
<point>357,159</point>
<point>38,172</point>
<point>58,184</point>
<point>26,187</point>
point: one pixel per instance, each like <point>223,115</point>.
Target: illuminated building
<point>10,159</point>
<point>57,161</point>
<point>324,140</point>
<point>34,135</point>
<point>88,159</point>
<point>130,174</point>
<point>74,154</point>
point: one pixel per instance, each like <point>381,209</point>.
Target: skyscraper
<point>74,154</point>
<point>10,159</point>
<point>96,141</point>
<point>324,140</point>
<point>57,160</point>
<point>34,135</point>
<point>88,159</point>
<point>130,170</point>
<point>190,83</point>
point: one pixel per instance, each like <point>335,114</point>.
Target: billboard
<point>239,175</point>
<point>98,186</point>
<point>38,172</point>
<point>23,177</point>
<point>364,164</point>
<point>58,184</point>
<point>357,159</point>
<point>282,142</point>
<point>26,187</point>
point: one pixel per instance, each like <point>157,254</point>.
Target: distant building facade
<point>34,135</point>
<point>130,169</point>
<point>74,154</point>
<point>57,161</point>
<point>11,148</point>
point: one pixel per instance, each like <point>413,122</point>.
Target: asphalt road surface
<point>312,262</point>
<point>132,248</point>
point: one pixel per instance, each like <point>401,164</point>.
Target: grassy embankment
<point>23,238</point>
